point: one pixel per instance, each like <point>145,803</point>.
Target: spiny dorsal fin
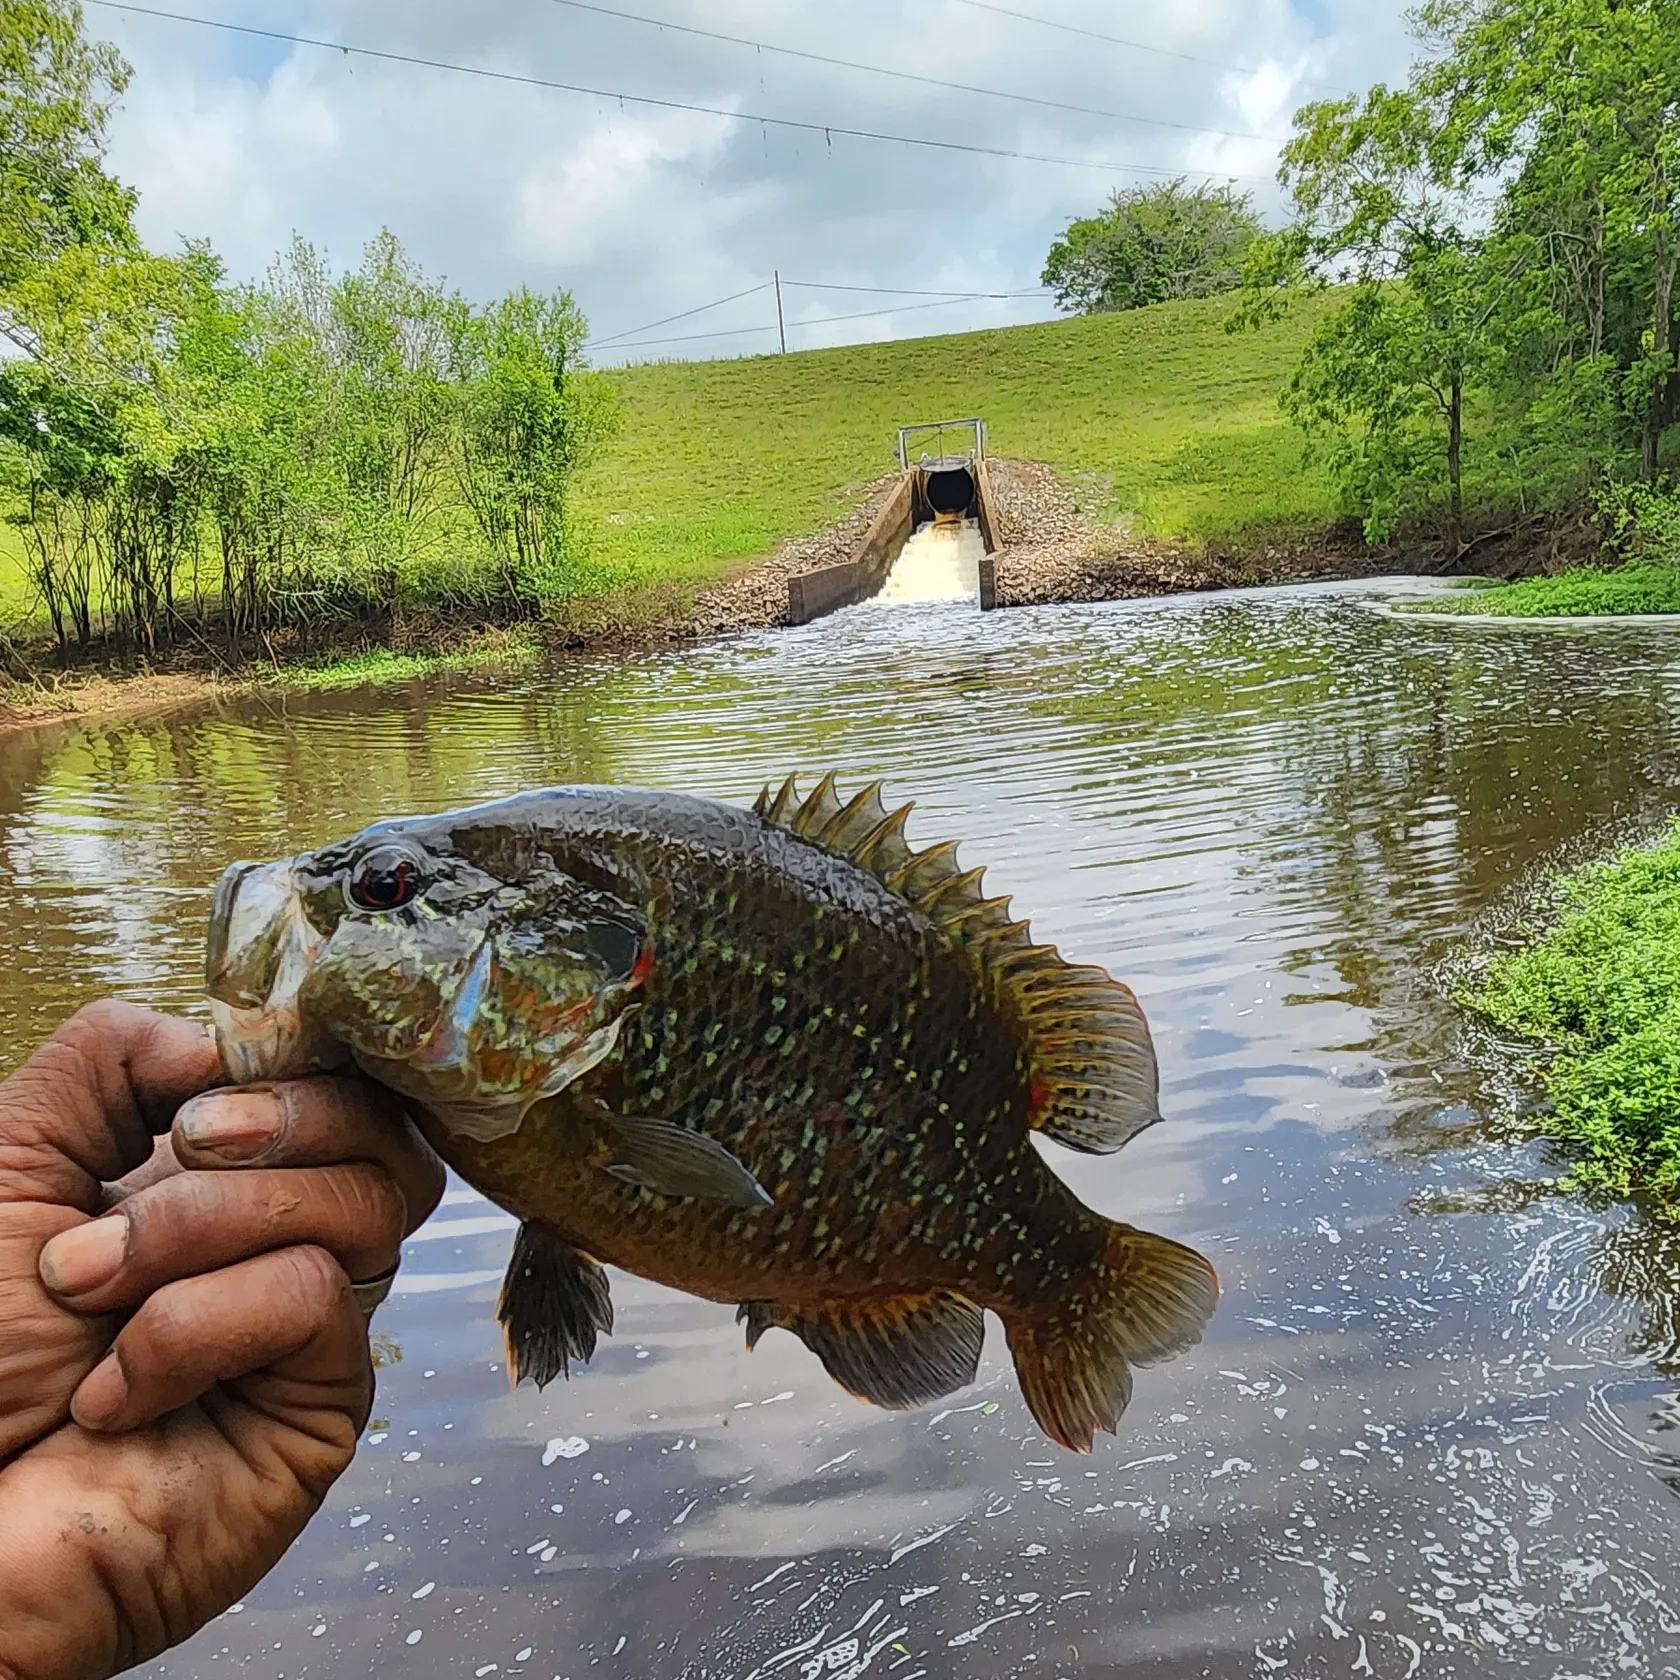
<point>1093,1065</point>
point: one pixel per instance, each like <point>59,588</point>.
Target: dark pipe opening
<point>951,490</point>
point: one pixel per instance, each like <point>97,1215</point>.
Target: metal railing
<point>976,429</point>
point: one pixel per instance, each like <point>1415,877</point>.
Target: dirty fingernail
<point>236,1125</point>
<point>98,1403</point>
<point>76,1261</point>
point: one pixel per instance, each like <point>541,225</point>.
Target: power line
<point>665,320</point>
<point>819,321</point>
<point>695,338</point>
<point>827,130</point>
<point>909,291</point>
<point>1114,40</point>
<point>806,285</point>
<point>907,75</point>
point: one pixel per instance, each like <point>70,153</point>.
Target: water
<point>1433,1430</point>
<point>938,563</point>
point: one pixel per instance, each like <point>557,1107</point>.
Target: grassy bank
<point>1639,587</point>
<point>386,665</point>
<point>1601,988</point>
<point>1159,413</point>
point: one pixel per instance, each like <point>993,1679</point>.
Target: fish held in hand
<point>772,1057</point>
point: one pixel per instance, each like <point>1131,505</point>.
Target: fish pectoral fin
<point>667,1158</point>
<point>554,1303</point>
<point>899,1352</point>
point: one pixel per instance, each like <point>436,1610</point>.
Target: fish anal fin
<point>671,1160</point>
<point>900,1352</point>
<point>1145,1300</point>
<point>554,1303</point>
<point>1092,1062</point>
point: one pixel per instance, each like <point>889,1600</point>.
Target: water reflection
<point>1415,1443</point>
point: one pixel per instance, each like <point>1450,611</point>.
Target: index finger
<point>83,1109</point>
<point>321,1121</point>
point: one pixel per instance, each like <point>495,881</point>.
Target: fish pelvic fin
<point>1146,1299</point>
<point>661,1156</point>
<point>554,1303</point>
<point>1091,1062</point>
<point>901,1352</point>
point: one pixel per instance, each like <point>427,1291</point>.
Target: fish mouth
<point>259,950</point>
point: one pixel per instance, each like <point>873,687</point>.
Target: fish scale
<point>777,1058</point>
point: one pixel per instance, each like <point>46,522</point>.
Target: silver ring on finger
<point>371,1293</point>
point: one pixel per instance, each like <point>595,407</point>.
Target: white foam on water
<point>938,563</point>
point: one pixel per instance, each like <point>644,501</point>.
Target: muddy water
<point>1433,1430</point>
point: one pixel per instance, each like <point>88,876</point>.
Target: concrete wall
<point>812,594</point>
<point>886,538</point>
<point>985,508</point>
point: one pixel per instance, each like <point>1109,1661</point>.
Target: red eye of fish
<point>385,879</point>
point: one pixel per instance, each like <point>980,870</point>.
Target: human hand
<point>184,1376</point>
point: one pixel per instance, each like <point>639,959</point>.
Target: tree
<point>1152,244</point>
<point>1383,381</point>
<point>1574,106</point>
<point>529,416</point>
<point>55,93</point>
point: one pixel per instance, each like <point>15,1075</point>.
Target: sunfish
<point>772,1057</point>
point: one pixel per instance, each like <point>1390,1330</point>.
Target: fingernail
<point>235,1125</point>
<point>98,1403</point>
<point>76,1261</point>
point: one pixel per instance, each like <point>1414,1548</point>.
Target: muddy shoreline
<point>1053,552</point>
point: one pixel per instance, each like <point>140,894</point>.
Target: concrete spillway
<point>932,540</point>
<point>940,562</point>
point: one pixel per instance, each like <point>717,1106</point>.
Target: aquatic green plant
<point>1639,587</point>
<point>1601,987</point>
<point>384,665</point>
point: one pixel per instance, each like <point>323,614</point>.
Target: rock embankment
<point>1053,551</point>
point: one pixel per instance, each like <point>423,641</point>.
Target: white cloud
<point>644,211</point>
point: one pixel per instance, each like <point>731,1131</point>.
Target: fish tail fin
<point>1147,1298</point>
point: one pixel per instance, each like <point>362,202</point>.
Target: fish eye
<point>613,945</point>
<point>386,879</point>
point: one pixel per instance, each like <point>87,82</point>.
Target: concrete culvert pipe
<point>950,490</point>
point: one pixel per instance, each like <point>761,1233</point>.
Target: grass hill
<point>1160,412</point>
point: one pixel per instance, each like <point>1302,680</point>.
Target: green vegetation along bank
<point>1638,587</point>
<point>1600,988</point>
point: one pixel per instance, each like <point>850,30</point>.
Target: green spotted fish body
<point>776,1058</point>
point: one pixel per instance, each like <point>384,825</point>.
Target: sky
<point>645,211</point>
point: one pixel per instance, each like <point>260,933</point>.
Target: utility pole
<point>781,330</point>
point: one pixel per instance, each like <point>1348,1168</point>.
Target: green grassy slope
<point>1175,420</point>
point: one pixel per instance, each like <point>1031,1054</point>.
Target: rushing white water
<point>939,563</point>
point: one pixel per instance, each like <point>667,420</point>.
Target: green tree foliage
<point>1510,225</point>
<point>179,453</point>
<point>1151,245</point>
<point>55,93</point>
<point>528,417</point>
<point>1382,383</point>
